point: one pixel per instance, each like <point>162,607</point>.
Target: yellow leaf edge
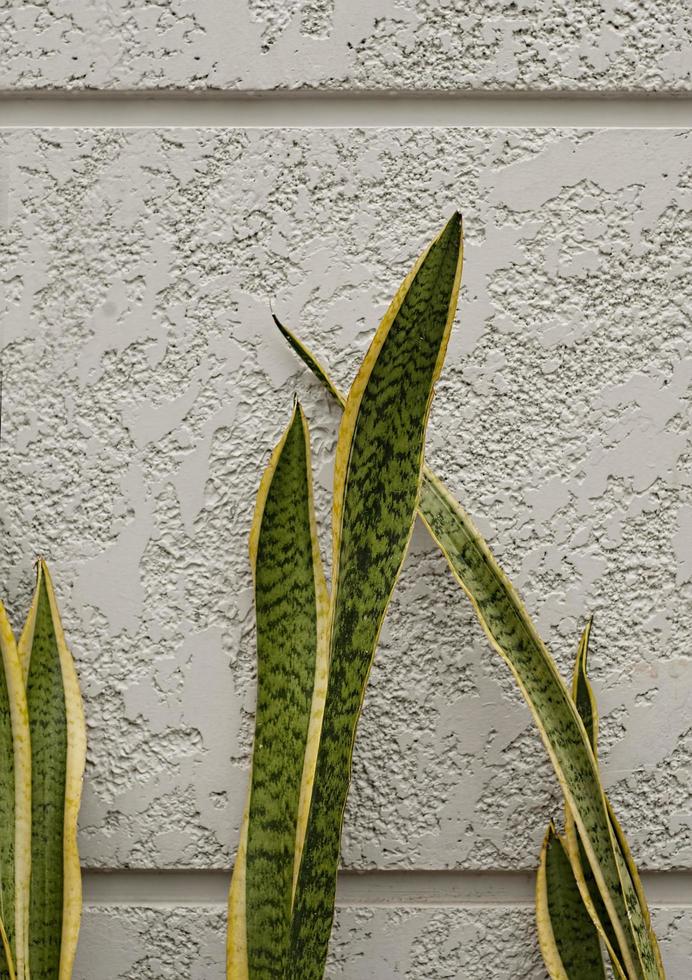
<point>317,368</point>
<point>544,926</point>
<point>355,396</point>
<point>571,837</point>
<point>74,772</point>
<point>236,948</point>
<point>572,849</point>
<point>507,585</point>
<point>21,744</point>
<point>319,693</point>
<point>8,952</point>
<point>236,942</point>
<point>236,945</point>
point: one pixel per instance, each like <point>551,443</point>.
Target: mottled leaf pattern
<point>6,813</point>
<point>592,901</point>
<point>582,692</point>
<point>585,701</point>
<point>58,749</point>
<point>377,474</point>
<point>7,957</point>
<point>567,937</point>
<point>290,603</point>
<point>48,721</point>
<point>512,634</point>
<point>15,807</point>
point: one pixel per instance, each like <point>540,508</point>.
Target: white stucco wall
<point>632,45</point>
<point>144,385</point>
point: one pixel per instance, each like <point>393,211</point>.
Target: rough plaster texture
<point>548,45</point>
<point>144,385</point>
<point>481,943</point>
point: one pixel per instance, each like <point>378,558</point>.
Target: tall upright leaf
<point>15,807</point>
<point>585,701</point>
<point>377,476</point>
<point>568,939</point>
<point>593,917</point>
<point>291,605</point>
<point>58,751</point>
<point>513,635</point>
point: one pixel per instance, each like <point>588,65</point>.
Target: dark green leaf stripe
<point>7,812</point>
<point>48,726</point>
<point>568,939</point>
<point>287,636</point>
<point>512,634</point>
<point>379,458</point>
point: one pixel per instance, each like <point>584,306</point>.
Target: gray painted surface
<point>144,386</point>
<point>542,45</point>
<point>367,944</point>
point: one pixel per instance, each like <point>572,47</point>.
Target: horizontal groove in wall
<point>359,889</point>
<point>328,110</point>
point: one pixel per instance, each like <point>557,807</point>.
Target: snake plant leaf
<point>377,476</point>
<point>236,940</point>
<point>58,753</point>
<point>582,692</point>
<point>291,606</point>
<point>309,359</point>
<point>585,701</point>
<point>6,965</point>
<point>512,634</point>
<point>566,935</point>
<point>592,902</point>
<point>638,887</point>
<point>15,807</point>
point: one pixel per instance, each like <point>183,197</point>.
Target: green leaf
<point>15,806</point>
<point>512,634</point>
<point>6,967</point>
<point>585,701</point>
<point>592,901</point>
<point>58,750</point>
<point>567,936</point>
<point>6,804</point>
<point>291,602</point>
<point>582,691</point>
<point>377,475</point>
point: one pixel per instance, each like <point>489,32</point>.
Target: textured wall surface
<point>144,385</point>
<point>368,944</point>
<point>636,45</point>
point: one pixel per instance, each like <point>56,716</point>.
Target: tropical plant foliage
<point>605,887</point>
<point>41,769</point>
<point>315,650</point>
<point>566,889</point>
